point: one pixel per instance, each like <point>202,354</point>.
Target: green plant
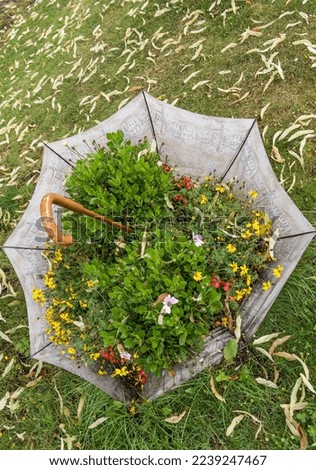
<point>194,252</point>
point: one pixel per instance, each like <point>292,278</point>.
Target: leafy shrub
<point>140,302</point>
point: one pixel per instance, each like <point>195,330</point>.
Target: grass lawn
<point>64,66</point>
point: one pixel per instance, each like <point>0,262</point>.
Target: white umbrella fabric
<point>197,145</point>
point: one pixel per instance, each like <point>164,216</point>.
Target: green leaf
<point>222,377</point>
<point>230,350</point>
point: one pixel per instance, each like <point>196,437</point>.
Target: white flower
<point>197,239</point>
<point>167,304</point>
<point>125,355</point>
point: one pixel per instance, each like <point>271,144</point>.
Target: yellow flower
<point>234,267</point>
<point>248,290</point>
<point>83,304</point>
<point>248,280</point>
<point>278,271</point>
<point>132,410</point>
<point>58,257</point>
<point>197,276</point>
<point>203,199</point>
<point>72,351</point>
<point>224,321</point>
<point>243,270</point>
<point>231,248</point>
<point>246,234</point>
<point>231,195</point>
<point>121,372</point>
<point>65,316</point>
<point>90,283</point>
<point>256,227</point>
<point>266,285</point>
<point>94,356</point>
<point>38,296</point>
<point>219,188</point>
<point>240,294</point>
<point>253,194</point>
<point>49,281</point>
<point>101,372</point>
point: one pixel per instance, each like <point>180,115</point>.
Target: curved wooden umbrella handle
<point>50,226</point>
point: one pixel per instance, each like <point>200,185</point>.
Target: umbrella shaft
<point>51,228</point>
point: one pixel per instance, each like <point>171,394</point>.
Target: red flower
<point>187,182</point>
<point>166,167</point>
<point>110,355</point>
<point>225,285</point>
<point>178,197</point>
<point>215,282</point>
<point>142,376</point>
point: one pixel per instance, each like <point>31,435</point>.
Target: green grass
<point>37,421</point>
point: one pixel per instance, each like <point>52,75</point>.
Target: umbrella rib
<point>27,248</point>
<point>58,155</point>
<point>150,119</point>
<point>297,235</point>
<point>44,347</point>
<point>238,152</point>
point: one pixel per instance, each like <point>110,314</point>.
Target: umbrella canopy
<point>197,145</point>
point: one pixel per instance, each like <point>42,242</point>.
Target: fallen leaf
<point>4,400</point>
<point>61,403</point>
<point>215,392</point>
<point>265,339</point>
<point>202,82</point>
<point>97,422</point>
<point>285,355</point>
<point>288,131</point>
<point>304,438</point>
<point>300,133</point>
<point>269,81</point>
<point>277,343</point>
<point>276,375</point>
<point>229,46</point>
<point>307,383</point>
<point>293,399</point>
<point>168,202</point>
<point>263,110</point>
<point>32,383</point>
<point>265,353</point>
<point>276,155</point>
<point>8,368</point>
<point>193,74</point>
<point>266,383</point>
<point>5,337</point>
<point>233,424</point>
<point>237,331</point>
<point>176,418</point>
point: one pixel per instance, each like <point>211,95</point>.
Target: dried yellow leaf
<point>233,424</point>
<point>215,392</point>
<point>176,418</point>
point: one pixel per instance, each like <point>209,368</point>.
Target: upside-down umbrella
<point>197,145</point>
